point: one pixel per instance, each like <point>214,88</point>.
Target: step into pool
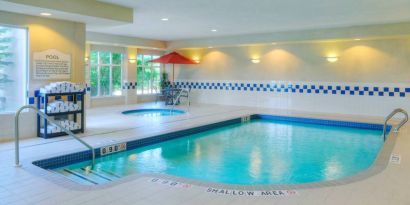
<point>263,150</point>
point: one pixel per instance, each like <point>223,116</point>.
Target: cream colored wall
<point>45,33</point>
<point>373,61</point>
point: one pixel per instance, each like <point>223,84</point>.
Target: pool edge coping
<point>379,165</point>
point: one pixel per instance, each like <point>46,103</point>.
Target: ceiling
<point>190,19</point>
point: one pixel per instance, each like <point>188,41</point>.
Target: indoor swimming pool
<point>265,150</point>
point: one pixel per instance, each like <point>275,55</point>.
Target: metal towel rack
<point>398,110</point>
<point>16,133</point>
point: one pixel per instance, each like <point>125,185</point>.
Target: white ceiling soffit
<point>192,19</point>
<point>73,10</point>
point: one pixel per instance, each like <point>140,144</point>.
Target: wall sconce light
<point>196,60</point>
<point>332,59</point>
<point>86,59</point>
<point>132,61</point>
<point>255,60</point>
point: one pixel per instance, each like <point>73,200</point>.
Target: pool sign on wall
<point>51,64</point>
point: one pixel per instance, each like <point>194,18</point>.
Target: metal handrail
<point>16,133</point>
<point>398,110</point>
<point>179,96</point>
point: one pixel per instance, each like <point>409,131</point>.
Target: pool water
<point>154,112</point>
<point>259,152</point>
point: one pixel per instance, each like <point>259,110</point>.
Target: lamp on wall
<point>132,60</point>
<point>255,60</point>
<point>86,59</point>
<point>332,59</point>
<point>196,59</point>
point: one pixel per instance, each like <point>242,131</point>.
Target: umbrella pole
<point>173,73</point>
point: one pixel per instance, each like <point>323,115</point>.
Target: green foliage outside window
<point>148,75</point>
<point>106,73</point>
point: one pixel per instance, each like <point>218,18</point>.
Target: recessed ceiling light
<point>214,30</point>
<point>357,39</point>
<point>45,14</point>
<point>164,19</point>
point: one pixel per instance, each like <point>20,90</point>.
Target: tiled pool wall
<point>371,99</point>
<point>59,161</point>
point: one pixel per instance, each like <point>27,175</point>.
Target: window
<point>148,75</point>
<point>106,73</point>
<point>13,68</point>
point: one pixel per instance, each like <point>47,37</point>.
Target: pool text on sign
<point>113,148</point>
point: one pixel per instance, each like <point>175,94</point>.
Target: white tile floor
<point>22,186</point>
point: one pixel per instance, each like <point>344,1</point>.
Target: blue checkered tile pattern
<point>129,86</point>
<point>305,88</point>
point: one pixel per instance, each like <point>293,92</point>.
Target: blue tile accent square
<point>356,88</point>
<point>371,93</point>
<point>352,92</point>
<point>381,93</point>
<point>36,93</point>
<point>402,94</point>
<point>366,88</point>
<point>407,90</point>
<point>375,88</point>
<point>396,89</point>
<point>386,89</point>
<point>338,88</point>
<point>391,94</point>
<point>31,100</point>
<point>361,92</point>
<point>342,92</point>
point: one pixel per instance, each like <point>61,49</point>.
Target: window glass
<point>106,73</point>
<point>105,57</point>
<point>140,77</point>
<point>148,75</point>
<point>104,80</point>
<point>94,80</point>
<point>116,58</point>
<point>116,80</point>
<point>13,68</point>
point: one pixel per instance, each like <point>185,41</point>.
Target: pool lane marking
<point>228,192</point>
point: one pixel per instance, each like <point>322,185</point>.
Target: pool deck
<point>107,125</point>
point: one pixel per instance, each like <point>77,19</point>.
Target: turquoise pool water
<point>154,112</point>
<point>258,152</point>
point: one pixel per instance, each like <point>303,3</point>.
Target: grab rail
<point>179,96</point>
<point>398,110</point>
<point>16,133</point>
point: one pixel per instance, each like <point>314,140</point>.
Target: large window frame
<point>9,64</point>
<point>152,85</point>
<point>110,65</point>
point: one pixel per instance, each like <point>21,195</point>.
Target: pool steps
<point>86,176</point>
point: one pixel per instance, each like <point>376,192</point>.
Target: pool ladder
<point>391,115</point>
<point>16,133</point>
<point>182,93</point>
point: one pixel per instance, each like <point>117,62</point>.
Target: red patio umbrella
<point>173,58</point>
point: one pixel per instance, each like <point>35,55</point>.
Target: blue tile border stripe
<point>64,160</point>
<point>298,88</point>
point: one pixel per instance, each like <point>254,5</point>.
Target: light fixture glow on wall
<point>132,61</point>
<point>196,59</point>
<point>164,19</point>
<point>332,59</point>
<point>214,30</point>
<point>86,59</point>
<point>45,14</point>
<point>357,39</point>
<point>255,60</point>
